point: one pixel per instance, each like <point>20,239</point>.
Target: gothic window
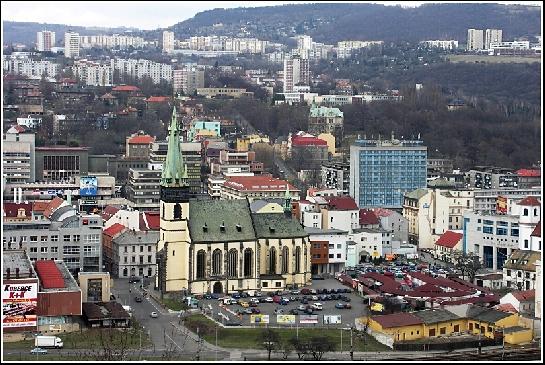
<point>272,261</point>
<point>298,259</point>
<point>285,259</point>
<point>201,262</point>
<point>232,258</point>
<point>248,255</point>
<point>216,262</point>
<point>177,211</point>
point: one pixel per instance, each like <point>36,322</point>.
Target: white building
<point>31,122</point>
<point>475,39</point>
<point>539,287</point>
<point>135,253</point>
<point>18,156</point>
<point>296,71</point>
<point>45,40</point>
<point>111,41</point>
<point>93,73</point>
<point>30,68</point>
<point>304,42</point>
<point>71,44</point>
<point>451,44</point>
<point>168,41</point>
<point>488,200</point>
<point>492,36</point>
<point>344,49</point>
<point>140,68</point>
<point>187,79</point>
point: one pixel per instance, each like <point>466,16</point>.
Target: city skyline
<point>145,15</point>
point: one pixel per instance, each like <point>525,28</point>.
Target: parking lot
<point>228,314</point>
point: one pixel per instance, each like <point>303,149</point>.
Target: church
<point>220,246</point>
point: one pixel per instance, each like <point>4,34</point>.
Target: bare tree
<point>319,345</point>
<point>468,264</point>
<point>301,347</point>
<point>269,339</point>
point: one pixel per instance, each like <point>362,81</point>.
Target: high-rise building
<point>187,80</point>
<point>296,71</point>
<point>18,155</point>
<point>475,39</point>
<point>304,42</point>
<point>71,44</point>
<point>168,41</point>
<point>45,40</point>
<point>382,171</point>
<point>492,35</point>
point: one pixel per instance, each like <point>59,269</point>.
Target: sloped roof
<point>108,212</point>
<point>141,139</point>
<point>529,201</point>
<point>341,203</point>
<point>416,194</point>
<point>524,260</point>
<point>126,88</point>
<point>49,274</point>
<point>485,314</point>
<point>157,99</point>
<point>53,205</point>
<point>323,111</point>
<point>525,295</point>
<point>11,210</point>
<point>39,206</point>
<point>149,221</point>
<point>104,310</point>
<point>307,141</point>
<point>449,239</point>
<point>114,229</point>
<point>537,231</point>
<point>273,225</point>
<point>441,183</point>
<point>382,212</point>
<point>258,183</point>
<point>529,172</point>
<point>436,316</point>
<point>256,205</point>
<point>506,307</point>
<point>214,213</point>
<point>368,217</point>
<point>16,128</point>
<point>397,320</point>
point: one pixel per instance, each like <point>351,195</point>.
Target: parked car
<point>255,310</point>
<point>339,305</point>
<point>304,301</point>
<point>38,350</point>
<point>214,296</point>
<point>284,302</point>
<point>153,315</point>
<point>277,299</point>
<point>244,304</point>
<point>328,297</point>
<point>236,296</point>
<point>244,295</point>
<point>309,310</point>
<point>294,299</point>
<point>294,311</point>
<point>258,294</point>
<point>348,306</point>
<point>305,291</point>
<point>278,311</point>
<point>301,307</point>
<point>269,299</point>
<point>313,291</point>
<point>253,304</point>
<point>314,297</point>
<point>138,299</point>
<point>317,306</point>
<point>233,323</point>
<point>207,296</point>
<point>345,298</point>
<point>295,292</point>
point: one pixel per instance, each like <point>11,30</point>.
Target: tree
<point>301,347</point>
<point>468,264</point>
<point>269,339</point>
<point>319,345</point>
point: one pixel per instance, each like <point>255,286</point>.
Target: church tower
<point>287,202</point>
<point>174,240</point>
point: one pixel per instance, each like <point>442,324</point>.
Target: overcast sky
<point>139,14</point>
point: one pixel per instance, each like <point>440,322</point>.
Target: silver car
<point>38,350</point>
<point>153,315</point>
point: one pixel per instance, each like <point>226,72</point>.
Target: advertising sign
<point>332,319</point>
<point>259,318</point>
<point>501,205</point>
<point>285,319</point>
<point>312,318</point>
<point>19,304</point>
<point>88,186</point>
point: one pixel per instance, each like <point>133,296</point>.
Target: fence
<point>447,345</point>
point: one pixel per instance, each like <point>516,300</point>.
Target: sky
<point>142,14</point>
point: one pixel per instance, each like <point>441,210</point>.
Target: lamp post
<point>351,345</point>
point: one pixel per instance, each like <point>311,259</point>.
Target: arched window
<point>201,257</point>
<point>298,259</point>
<point>177,211</point>
<point>232,258</point>
<point>272,260</point>
<point>285,259</point>
<point>216,262</point>
<point>248,258</point>
<point>525,212</point>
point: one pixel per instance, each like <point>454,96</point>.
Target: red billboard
<point>19,304</point>
<point>501,205</point>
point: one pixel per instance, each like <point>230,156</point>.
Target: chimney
<point>8,273</point>
<point>16,273</point>
<point>239,228</point>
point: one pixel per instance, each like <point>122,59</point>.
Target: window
<point>285,259</point>
<point>43,238</point>
<point>133,249</point>
<point>508,272</point>
<point>177,211</point>
<point>338,255</point>
<point>216,262</point>
<point>331,255</point>
<point>71,250</point>
<point>331,245</point>
<point>265,284</point>
<point>125,259</point>
<point>33,238</point>
<point>488,230</point>
<point>248,262</point>
<point>43,249</point>
<point>442,330</point>
<point>149,248</point>
<point>525,243</point>
<point>76,238</point>
<point>501,231</point>
<point>133,259</point>
<point>54,249</point>
<point>535,212</point>
<point>34,249</point>
<point>298,259</point>
<point>272,260</point>
<point>339,246</point>
<point>232,261</point>
<point>66,238</point>
<point>54,238</point>
<point>141,248</point>
<point>125,249</point>
<point>525,213</point>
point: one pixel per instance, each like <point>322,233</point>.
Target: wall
<point>61,303</point>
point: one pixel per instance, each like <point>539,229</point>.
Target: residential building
<point>308,152</point>
<point>529,178</point>
<point>296,71</point>
<point>168,41</point>
<point>187,80</point>
<point>328,250</point>
<point>30,68</point>
<point>519,271</point>
<point>522,301</point>
<point>393,222</point>
<point>345,49</point>
<point>437,167</point>
<point>143,188</point>
<point>237,258</point>
<point>492,36</point>
<point>485,177</point>
<point>326,120</point>
<point>45,40</point>
<point>232,162</point>
<point>30,122</point>
<point>496,201</point>
<point>224,92</point>
<point>93,73</point>
<point>138,146</point>
<point>257,187</point>
<point>142,68</point>
<point>336,175</point>
<point>134,254</point>
<point>18,156</point>
<point>199,125</point>
<point>71,44</point>
<point>448,245</point>
<point>382,171</point>
<point>340,212</point>
<point>111,41</point>
<point>450,45</point>
<point>475,39</point>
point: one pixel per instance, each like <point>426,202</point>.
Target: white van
<point>317,306</point>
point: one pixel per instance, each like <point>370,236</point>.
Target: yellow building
<point>244,143</point>
<point>330,140</point>
<point>219,246</point>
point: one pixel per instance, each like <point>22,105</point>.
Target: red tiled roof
<point>108,96</point>
<point>449,239</point>
<point>529,201</point>
<point>307,141</point>
<point>529,172</point>
<point>524,296</point>
<point>142,139</point>
<point>484,299</point>
<point>158,99</point>
<point>382,212</point>
<point>114,229</point>
<point>11,210</point>
<point>52,206</point>
<point>149,221</point>
<point>50,276</point>
<point>537,231</point>
<point>125,88</point>
<point>368,217</point>
<point>506,307</point>
<point>19,128</point>
<point>258,183</point>
<point>108,212</point>
<point>341,203</point>
<point>397,320</point>
<point>39,206</point>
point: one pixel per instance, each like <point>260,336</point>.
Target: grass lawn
<point>174,304</point>
<point>246,338</point>
<point>68,357</point>
<point>91,338</point>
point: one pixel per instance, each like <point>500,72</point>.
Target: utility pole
<point>351,345</point>
<point>341,339</point>
<point>216,343</point>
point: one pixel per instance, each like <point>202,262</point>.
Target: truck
<point>48,341</point>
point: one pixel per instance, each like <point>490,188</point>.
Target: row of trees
<point>315,346</point>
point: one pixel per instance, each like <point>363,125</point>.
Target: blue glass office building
<point>381,172</point>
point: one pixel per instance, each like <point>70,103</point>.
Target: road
<point>288,174</point>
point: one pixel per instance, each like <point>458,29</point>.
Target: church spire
<point>287,201</point>
<point>174,170</point>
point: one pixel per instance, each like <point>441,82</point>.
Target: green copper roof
<point>417,193</point>
<point>322,111</point>
<point>272,225</point>
<point>174,170</point>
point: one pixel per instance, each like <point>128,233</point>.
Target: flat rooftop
<point>17,259</point>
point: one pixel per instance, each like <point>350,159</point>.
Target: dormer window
<point>222,227</point>
<point>205,228</point>
<point>239,228</point>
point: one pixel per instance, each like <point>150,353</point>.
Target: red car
<point>305,291</point>
<point>277,299</point>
